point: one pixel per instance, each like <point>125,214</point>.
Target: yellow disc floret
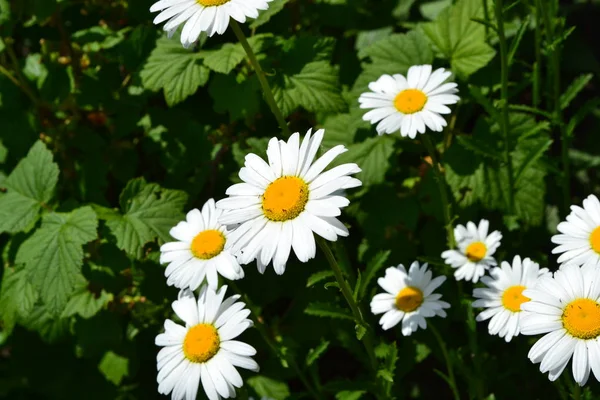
<point>201,343</point>
<point>409,299</point>
<point>211,3</point>
<point>476,251</point>
<point>285,198</point>
<point>595,240</point>
<point>208,244</point>
<point>581,319</point>
<point>410,101</point>
<point>512,298</point>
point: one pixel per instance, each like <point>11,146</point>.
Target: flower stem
<point>367,340</point>
<point>504,123</point>
<point>441,182</point>
<point>451,379</point>
<point>268,92</point>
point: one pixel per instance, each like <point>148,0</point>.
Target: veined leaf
<point>17,296</point>
<point>30,186</point>
<point>372,156</point>
<point>85,303</point>
<point>114,367</point>
<point>328,310</point>
<point>269,388</point>
<point>318,277</point>
<point>231,55</point>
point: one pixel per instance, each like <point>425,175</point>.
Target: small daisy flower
<point>210,16</point>
<point>202,251</point>
<point>203,349</point>
<point>409,298</point>
<point>280,204</point>
<point>475,251</point>
<point>579,238</point>
<point>409,104</point>
<point>566,309</point>
<point>503,296</point>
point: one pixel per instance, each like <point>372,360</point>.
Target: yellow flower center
<point>410,101</point>
<point>285,198</point>
<point>581,318</point>
<point>595,240</point>
<point>208,244</point>
<point>512,298</point>
<point>409,299</point>
<point>211,3</point>
<point>201,343</point>
<point>476,251</point>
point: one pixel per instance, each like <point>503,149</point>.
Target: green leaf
<point>366,39</point>
<point>314,354</point>
<point>50,329</point>
<point>17,296</point>
<point>342,128</point>
<point>373,267</point>
<point>573,90</point>
<point>148,212</point>
<point>114,367</point>
<point>231,55</point>
<point>432,9</point>
<point>318,277</point>
<point>85,303</point>
<point>268,387</point>
<point>274,7</point>
<point>246,102</point>
<point>175,70</point>
<point>98,38</point>
<point>327,310</point>
<point>459,39</point>
<point>372,156</point>
<point>349,394</point>
<point>28,188</point>
<point>53,255</point>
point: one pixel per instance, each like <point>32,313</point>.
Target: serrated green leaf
<point>53,255</point>
<point>573,90</point>
<point>274,7</point>
<point>114,367</point>
<point>349,394</point>
<point>327,310</point>
<point>17,296</point>
<point>318,277</point>
<point>28,188</point>
<point>459,39</point>
<point>373,267</point>
<point>50,328</point>
<point>422,351</point>
<point>268,387</point>
<point>231,55</point>
<point>366,39</point>
<point>85,303</point>
<point>314,354</point>
<point>342,128</point>
<point>149,212</point>
<point>372,156</point>
<point>175,70</point>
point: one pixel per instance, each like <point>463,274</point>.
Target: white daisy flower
<point>503,296</point>
<point>475,251</point>
<point>210,16</point>
<point>566,309</point>
<point>203,350</point>
<point>579,238</point>
<point>202,251</point>
<point>410,104</point>
<point>281,203</point>
<point>409,298</point>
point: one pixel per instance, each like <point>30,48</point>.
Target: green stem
<point>260,325</point>
<point>537,67</point>
<point>268,92</point>
<point>20,83</point>
<point>504,104</point>
<point>449,368</point>
<point>441,182</point>
<point>367,340</point>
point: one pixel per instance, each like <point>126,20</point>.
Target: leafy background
<point>109,131</point>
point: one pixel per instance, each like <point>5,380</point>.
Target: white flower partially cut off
<point>204,350</point>
<point>566,310</point>
<point>410,104</point>
<point>280,204</point>
<point>503,296</point>
<point>210,16</point>
<point>202,251</point>
<point>475,251</point>
<point>409,298</point>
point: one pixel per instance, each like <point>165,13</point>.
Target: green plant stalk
<point>442,186</point>
<point>504,123</point>
<point>449,368</point>
<point>268,92</point>
<point>20,82</point>
<point>537,67</point>
<point>354,307</point>
<point>261,327</point>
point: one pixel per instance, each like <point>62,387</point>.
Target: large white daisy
<point>566,309</point>
<point>503,296</point>
<point>579,238</point>
<point>210,16</point>
<point>409,298</point>
<point>203,349</point>
<point>410,104</point>
<point>475,250</point>
<point>281,203</point>
<point>202,251</point>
